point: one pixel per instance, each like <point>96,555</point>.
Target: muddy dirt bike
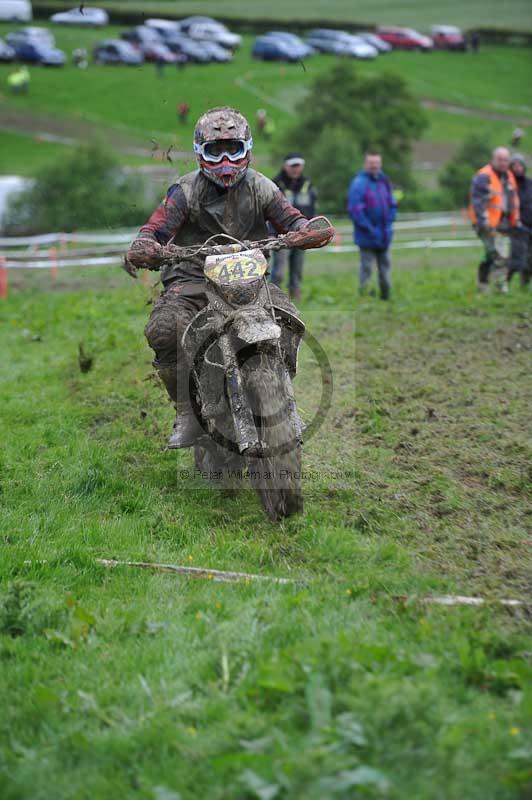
<point>242,352</point>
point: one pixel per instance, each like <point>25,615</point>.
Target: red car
<point>448,37</point>
<point>405,38</point>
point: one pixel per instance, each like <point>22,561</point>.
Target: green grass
<point>149,686</point>
<point>24,155</point>
<point>496,81</point>
<point>513,14</point>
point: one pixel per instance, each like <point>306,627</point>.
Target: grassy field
<point>136,104</point>
<point>154,687</point>
<point>513,14</point>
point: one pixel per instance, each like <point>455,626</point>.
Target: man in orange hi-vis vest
<point>494,212</point>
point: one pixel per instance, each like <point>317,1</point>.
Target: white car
<point>213,33</point>
<point>15,11</point>
<point>376,41</point>
<point>210,30</point>
<point>163,26</point>
<point>358,48</point>
<point>91,17</point>
<point>31,35</point>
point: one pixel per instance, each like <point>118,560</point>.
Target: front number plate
<point>248,265</point>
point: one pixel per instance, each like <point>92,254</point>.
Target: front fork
<point>244,424</point>
<point>245,431</point>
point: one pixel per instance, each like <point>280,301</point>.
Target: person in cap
<point>224,195</point>
<point>494,212</point>
<point>521,237</point>
<point>372,207</point>
<point>301,194</point>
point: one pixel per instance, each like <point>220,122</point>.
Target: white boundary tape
<point>37,261</point>
<point>408,222</point>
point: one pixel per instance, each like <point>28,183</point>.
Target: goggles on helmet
<point>216,151</point>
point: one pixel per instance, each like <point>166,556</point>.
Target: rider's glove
<point>318,232</point>
<point>143,254</point>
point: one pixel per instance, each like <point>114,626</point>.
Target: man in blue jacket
<point>372,207</point>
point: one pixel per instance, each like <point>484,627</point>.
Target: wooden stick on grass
<point>194,572</point>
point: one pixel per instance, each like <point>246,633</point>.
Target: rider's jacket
<point>195,208</point>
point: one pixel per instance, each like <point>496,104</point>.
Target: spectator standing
<point>521,249</point>
<point>262,120</point>
<point>80,58</point>
<point>19,80</point>
<point>474,41</point>
<point>300,193</point>
<point>494,212</point>
<point>372,207</point>
<point>517,136</point>
<point>183,110</point>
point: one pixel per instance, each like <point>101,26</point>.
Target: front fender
<point>253,325</point>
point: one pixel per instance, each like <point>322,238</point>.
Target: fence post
<point>3,277</point>
<point>54,266</point>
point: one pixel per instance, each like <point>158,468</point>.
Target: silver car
<point>91,17</point>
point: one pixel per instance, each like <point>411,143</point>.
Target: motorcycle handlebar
<point>317,233</point>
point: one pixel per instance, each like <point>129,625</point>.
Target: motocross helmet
<point>222,143</point>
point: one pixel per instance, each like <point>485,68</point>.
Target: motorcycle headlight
<point>239,293</point>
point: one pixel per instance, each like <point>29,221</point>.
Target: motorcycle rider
<point>223,196</point>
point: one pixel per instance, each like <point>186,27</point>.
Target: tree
<point>455,178</point>
<point>86,190</point>
<point>346,114</point>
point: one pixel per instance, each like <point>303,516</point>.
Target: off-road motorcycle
<point>242,351</point>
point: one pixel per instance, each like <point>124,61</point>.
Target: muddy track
<point>71,132</point>
<point>468,111</point>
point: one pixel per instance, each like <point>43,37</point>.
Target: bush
<point>455,178</point>
<point>343,116</point>
<point>87,190</point>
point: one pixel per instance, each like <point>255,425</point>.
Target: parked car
<point>116,51</point>
<point>140,35</point>
<point>30,34</point>
<point>270,48</point>
<point>376,42</point>
<point>15,11</point>
<point>405,38</point>
<point>179,43</point>
<point>209,32</point>
<point>217,52</point>
<point>163,26</point>
<point>357,47</point>
<point>293,41</point>
<point>448,37</point>
<point>39,53</point>
<point>90,17</point>
<point>208,28</point>
<point>158,51</point>
<point>340,43</point>
<point>7,53</point>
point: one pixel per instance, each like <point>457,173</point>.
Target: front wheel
<point>275,467</point>
<point>219,466</point>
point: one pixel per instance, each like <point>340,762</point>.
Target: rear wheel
<point>275,468</point>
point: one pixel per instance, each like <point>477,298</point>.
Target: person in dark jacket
<point>521,238</point>
<point>372,207</point>
<point>300,193</point>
